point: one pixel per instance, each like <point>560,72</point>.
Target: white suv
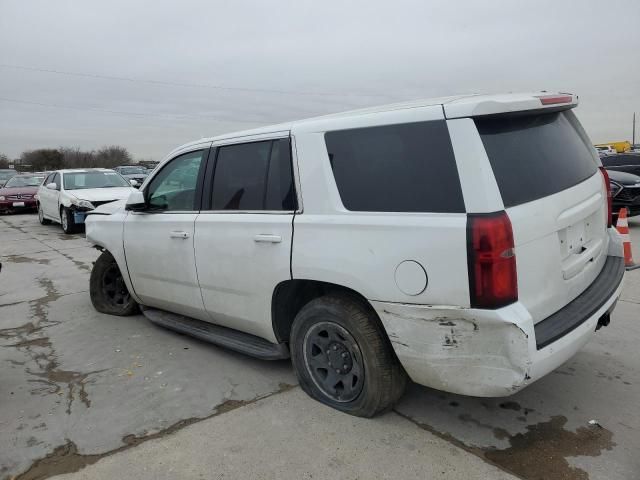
<point>463,242</point>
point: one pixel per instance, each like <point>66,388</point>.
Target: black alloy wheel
<point>334,361</point>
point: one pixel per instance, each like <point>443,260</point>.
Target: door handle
<point>267,238</point>
<point>183,235</point>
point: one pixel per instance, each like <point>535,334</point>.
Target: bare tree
<point>4,161</point>
<point>76,158</point>
<point>112,156</point>
<point>42,159</point>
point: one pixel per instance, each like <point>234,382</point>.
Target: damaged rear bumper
<point>484,353</point>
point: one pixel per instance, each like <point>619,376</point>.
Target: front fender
<point>107,232</point>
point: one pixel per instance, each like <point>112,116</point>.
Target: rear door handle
<point>267,238</point>
<point>183,235</point>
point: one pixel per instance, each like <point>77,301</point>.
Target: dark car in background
<point>19,192</point>
<point>6,174</point>
<point>622,162</point>
<point>133,172</point>
<point>625,190</point>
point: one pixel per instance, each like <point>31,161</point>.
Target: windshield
<point>84,180</point>
<point>26,181</point>
<point>6,174</point>
<point>132,171</point>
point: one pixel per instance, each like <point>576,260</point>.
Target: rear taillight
<point>493,280</point>
<point>607,186</point>
<point>555,99</point>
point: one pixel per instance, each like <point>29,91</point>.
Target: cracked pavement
<point>95,396</point>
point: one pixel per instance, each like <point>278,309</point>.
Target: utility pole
<point>633,143</point>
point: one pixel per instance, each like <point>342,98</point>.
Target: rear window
<point>396,168</point>
<point>535,156</point>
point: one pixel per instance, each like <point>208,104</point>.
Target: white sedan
<point>66,196</point>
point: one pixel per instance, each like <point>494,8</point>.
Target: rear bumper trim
<point>583,307</point>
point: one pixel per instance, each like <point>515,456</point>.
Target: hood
<point>18,191</point>
<point>102,194</point>
<point>136,175</point>
<point>623,178</point>
<point>109,208</point>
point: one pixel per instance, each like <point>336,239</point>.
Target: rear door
<point>547,173</point>
<point>243,239</point>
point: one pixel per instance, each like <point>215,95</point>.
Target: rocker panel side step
<point>221,336</point>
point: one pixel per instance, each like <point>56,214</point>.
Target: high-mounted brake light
<point>555,99</point>
<point>493,281</point>
<point>607,186</point>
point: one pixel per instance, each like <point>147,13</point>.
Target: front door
<point>243,237</point>
<point>50,200</point>
<point>159,246</point>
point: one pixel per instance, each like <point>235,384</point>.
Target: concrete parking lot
<point>93,396</point>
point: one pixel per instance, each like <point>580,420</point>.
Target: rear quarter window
<point>396,168</point>
<point>534,156</point>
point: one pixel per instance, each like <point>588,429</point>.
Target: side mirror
<point>52,186</point>
<point>134,183</point>
<point>136,202</point>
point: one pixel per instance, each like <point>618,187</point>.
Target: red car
<point>19,193</point>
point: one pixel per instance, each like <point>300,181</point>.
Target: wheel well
<point>291,295</point>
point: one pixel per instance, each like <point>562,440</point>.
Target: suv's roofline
<point>454,107</point>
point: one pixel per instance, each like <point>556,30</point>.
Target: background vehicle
<point>392,241</point>
<point>66,196</point>
<point>6,174</point>
<point>605,150</point>
<point>623,162</point>
<point>19,193</point>
<point>625,190</point>
<point>137,173</point>
<point>618,147</point>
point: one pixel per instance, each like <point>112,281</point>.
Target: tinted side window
<point>396,168</point>
<point>280,193</point>
<point>57,180</point>
<point>174,188</point>
<point>254,176</point>
<point>535,156</point>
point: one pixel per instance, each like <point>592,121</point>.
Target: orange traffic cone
<point>622,225</point>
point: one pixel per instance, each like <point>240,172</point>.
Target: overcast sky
<point>181,70</point>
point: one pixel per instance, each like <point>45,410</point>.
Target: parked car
<point>605,150</point>
<point>135,173</point>
<point>623,162</point>
<point>6,174</point>
<point>19,192</point>
<point>66,196</point>
<point>403,240</point>
<point>625,191</point>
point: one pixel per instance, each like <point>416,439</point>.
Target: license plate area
<point>573,238</point>
<point>18,204</point>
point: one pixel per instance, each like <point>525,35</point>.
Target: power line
<point>189,85</point>
<point>168,116</point>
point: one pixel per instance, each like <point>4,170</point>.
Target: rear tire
<point>41,217</point>
<point>107,289</point>
<point>68,223</point>
<point>343,358</point>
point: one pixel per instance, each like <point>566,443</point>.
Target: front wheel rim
<point>333,359</point>
<point>65,223</point>
<point>113,287</point>
<point>40,214</point>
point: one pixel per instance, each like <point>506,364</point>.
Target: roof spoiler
<point>505,104</point>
